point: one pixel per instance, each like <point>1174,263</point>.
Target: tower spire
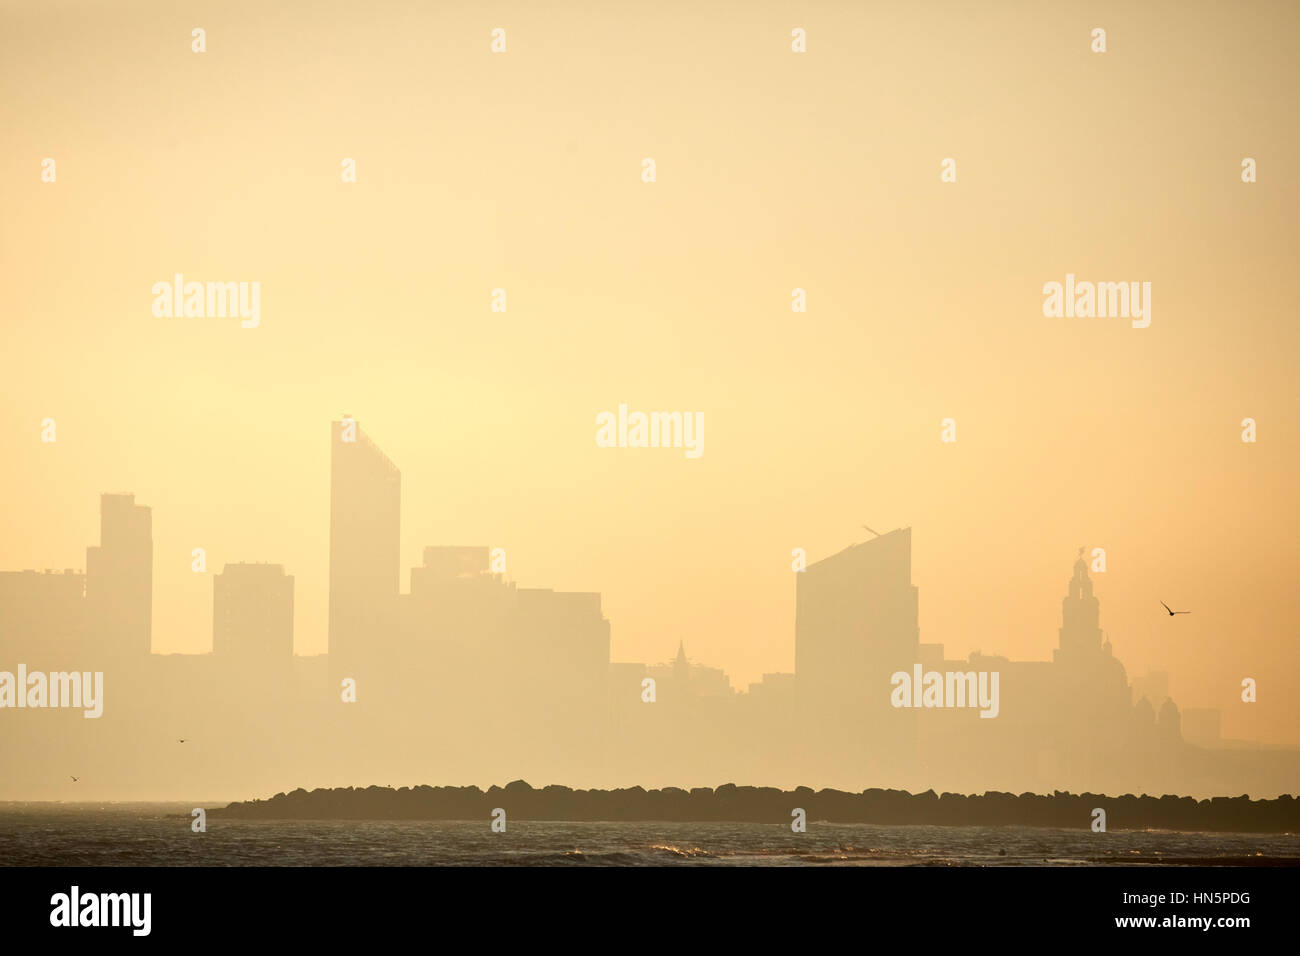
<point>1080,631</point>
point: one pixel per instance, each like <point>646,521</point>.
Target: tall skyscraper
<point>855,626</point>
<point>119,579</point>
<point>252,615</point>
<point>365,535</point>
<point>856,619</point>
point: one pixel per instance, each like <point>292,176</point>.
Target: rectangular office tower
<point>119,579</point>
<point>252,615</point>
<point>365,534</point>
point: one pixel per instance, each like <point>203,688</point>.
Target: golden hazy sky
<point>775,170</point>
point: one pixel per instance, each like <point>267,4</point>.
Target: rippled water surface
<point>160,835</point>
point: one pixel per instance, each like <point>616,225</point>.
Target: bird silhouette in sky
<point>74,779</point>
<point>181,739</point>
<point>1171,611</point>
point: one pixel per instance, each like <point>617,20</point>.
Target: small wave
<point>690,852</point>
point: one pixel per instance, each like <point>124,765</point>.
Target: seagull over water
<point>1171,611</point>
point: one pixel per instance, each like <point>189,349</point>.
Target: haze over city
<point>524,173</point>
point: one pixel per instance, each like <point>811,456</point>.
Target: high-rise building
<point>119,579</point>
<point>856,619</point>
<point>365,535</point>
<point>854,627</point>
<point>252,614</point>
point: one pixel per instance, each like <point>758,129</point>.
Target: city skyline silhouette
<point>410,672</point>
<point>795,436</point>
<point>777,171</point>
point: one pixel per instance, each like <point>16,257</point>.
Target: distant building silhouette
<point>252,615</point>
<point>119,579</point>
<point>682,678</point>
<point>42,616</point>
<point>774,687</point>
<point>481,659</point>
<point>855,625</point>
<point>365,537</point>
<point>1091,710</point>
<point>469,676</point>
<point>1080,634</point>
<point>856,616</point>
<point>1154,687</point>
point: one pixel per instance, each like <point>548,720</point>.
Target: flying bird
<point>1171,611</point>
<point>74,779</point>
<point>181,739</point>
